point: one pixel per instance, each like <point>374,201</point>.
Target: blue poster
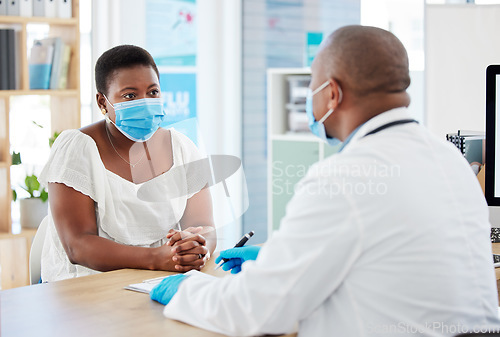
<point>178,91</point>
<point>171,32</point>
<point>313,41</point>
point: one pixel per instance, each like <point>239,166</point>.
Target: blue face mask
<point>317,127</point>
<point>139,119</point>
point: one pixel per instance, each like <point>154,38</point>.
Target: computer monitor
<point>492,174</point>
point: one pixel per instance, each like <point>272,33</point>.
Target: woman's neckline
<point>126,180</point>
<point>137,184</point>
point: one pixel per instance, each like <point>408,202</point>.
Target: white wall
<point>460,42</point>
<point>219,101</point>
<point>405,19</point>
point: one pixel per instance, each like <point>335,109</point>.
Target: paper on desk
<point>143,287</point>
<point>147,285</point>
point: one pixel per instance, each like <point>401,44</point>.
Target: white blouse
<point>128,213</point>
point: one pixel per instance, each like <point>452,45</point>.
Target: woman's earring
<point>103,111</point>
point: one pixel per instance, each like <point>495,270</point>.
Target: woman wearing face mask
<point>123,192</point>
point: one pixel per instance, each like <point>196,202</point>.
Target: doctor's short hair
<point>119,57</point>
<point>367,60</point>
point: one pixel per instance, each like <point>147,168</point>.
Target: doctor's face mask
<point>138,119</point>
<point>317,127</point>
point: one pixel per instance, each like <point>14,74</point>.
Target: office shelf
<point>38,20</point>
<point>298,136</point>
<point>28,92</point>
<point>64,104</point>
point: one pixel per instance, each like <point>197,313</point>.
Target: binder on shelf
<point>17,60</point>
<point>40,64</point>
<point>4,80</point>
<point>26,8</point>
<point>63,76</point>
<point>50,8</point>
<point>470,144</point>
<point>64,9</point>
<point>3,7</point>
<point>8,59</point>
<point>38,7</point>
<point>13,7</point>
<point>56,61</point>
<point>60,64</point>
<point>11,59</point>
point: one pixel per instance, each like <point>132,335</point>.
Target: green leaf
<point>14,195</point>
<point>16,158</point>
<point>32,184</point>
<point>34,188</point>
<point>40,126</point>
<point>53,138</point>
<point>44,195</point>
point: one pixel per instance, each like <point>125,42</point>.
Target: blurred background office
<point>232,74</point>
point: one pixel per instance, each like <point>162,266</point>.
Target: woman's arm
<point>199,213</point>
<point>198,236</point>
<point>75,221</point>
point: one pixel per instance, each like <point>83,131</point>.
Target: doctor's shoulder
<point>325,168</point>
<point>342,165</point>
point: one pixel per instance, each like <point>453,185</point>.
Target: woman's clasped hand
<point>187,249</point>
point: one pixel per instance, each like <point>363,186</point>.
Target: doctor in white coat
<point>389,237</point>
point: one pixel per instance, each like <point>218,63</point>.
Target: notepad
<point>147,285</point>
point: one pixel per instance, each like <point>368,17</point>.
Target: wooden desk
<point>94,305</point>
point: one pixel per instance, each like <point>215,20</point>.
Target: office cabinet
<point>290,162</point>
<point>290,154</point>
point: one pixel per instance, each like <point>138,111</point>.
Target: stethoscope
<point>391,124</point>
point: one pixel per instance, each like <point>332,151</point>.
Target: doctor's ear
<point>336,96</point>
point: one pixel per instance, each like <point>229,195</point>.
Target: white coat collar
<point>379,120</point>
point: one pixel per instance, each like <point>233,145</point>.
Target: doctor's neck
<point>354,112</point>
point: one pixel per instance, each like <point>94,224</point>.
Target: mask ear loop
<point>341,95</point>
<point>105,112</point>
<point>331,110</point>
<point>326,116</point>
<point>107,100</point>
<point>321,87</point>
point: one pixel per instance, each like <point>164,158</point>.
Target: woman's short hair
<point>119,57</point>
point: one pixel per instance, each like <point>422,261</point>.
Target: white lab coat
<point>389,237</point>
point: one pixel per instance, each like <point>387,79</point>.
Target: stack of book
<point>49,64</point>
<point>8,76</point>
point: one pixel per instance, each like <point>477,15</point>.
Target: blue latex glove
<point>167,288</point>
<point>237,256</point>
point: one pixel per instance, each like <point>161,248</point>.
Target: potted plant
<point>34,208</point>
<point>16,160</point>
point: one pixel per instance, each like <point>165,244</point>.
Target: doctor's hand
<point>237,256</point>
<point>166,289</point>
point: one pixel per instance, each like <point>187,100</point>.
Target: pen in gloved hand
<point>240,243</point>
